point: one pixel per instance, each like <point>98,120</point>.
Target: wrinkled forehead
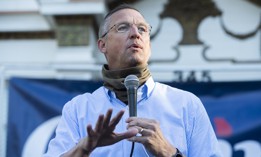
<point>127,15</point>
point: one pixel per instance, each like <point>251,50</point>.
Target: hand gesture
<point>152,137</point>
<point>103,134</point>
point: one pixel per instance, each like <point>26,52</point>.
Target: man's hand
<point>103,134</point>
<point>152,137</point>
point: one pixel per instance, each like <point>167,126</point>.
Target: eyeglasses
<point>125,27</point>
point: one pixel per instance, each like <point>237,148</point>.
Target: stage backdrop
<point>35,107</point>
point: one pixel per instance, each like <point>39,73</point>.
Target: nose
<point>134,32</point>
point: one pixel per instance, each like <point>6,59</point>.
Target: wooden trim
<point>27,35</point>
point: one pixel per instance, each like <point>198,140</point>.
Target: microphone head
<point>131,81</point>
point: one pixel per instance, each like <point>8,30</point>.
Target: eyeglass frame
<point>149,28</point>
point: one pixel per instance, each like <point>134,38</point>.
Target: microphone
<point>131,82</point>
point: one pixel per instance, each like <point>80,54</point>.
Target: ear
<point>101,45</point>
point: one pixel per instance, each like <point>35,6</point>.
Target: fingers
<point>138,119</point>
<point>142,123</point>
<point>107,118</point>
<point>151,135</point>
<point>144,135</point>
<point>128,134</point>
<point>90,131</point>
<point>103,133</point>
<point>99,123</point>
<point>104,122</point>
<point>144,131</point>
<point>139,139</point>
<point>115,120</point>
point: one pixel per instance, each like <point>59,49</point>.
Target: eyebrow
<point>140,23</point>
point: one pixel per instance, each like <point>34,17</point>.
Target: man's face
<point>126,49</point>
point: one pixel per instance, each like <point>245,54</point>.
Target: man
<point>170,122</point>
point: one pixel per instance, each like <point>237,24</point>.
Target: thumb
<point>128,134</point>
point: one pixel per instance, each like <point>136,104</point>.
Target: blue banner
<point>35,107</point>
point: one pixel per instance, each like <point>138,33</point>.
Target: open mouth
<point>135,46</point>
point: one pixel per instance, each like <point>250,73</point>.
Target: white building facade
<point>210,42</point>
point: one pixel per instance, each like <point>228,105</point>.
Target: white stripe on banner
<point>39,138</point>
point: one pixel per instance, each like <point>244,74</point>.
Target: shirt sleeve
<point>203,141</point>
<point>66,134</point>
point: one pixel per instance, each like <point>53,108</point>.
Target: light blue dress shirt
<point>182,117</point>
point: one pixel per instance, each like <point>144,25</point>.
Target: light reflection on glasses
<point>124,27</point>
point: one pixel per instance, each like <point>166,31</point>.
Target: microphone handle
<point>132,101</point>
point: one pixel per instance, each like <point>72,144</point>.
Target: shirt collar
<point>143,91</point>
<point>148,86</point>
